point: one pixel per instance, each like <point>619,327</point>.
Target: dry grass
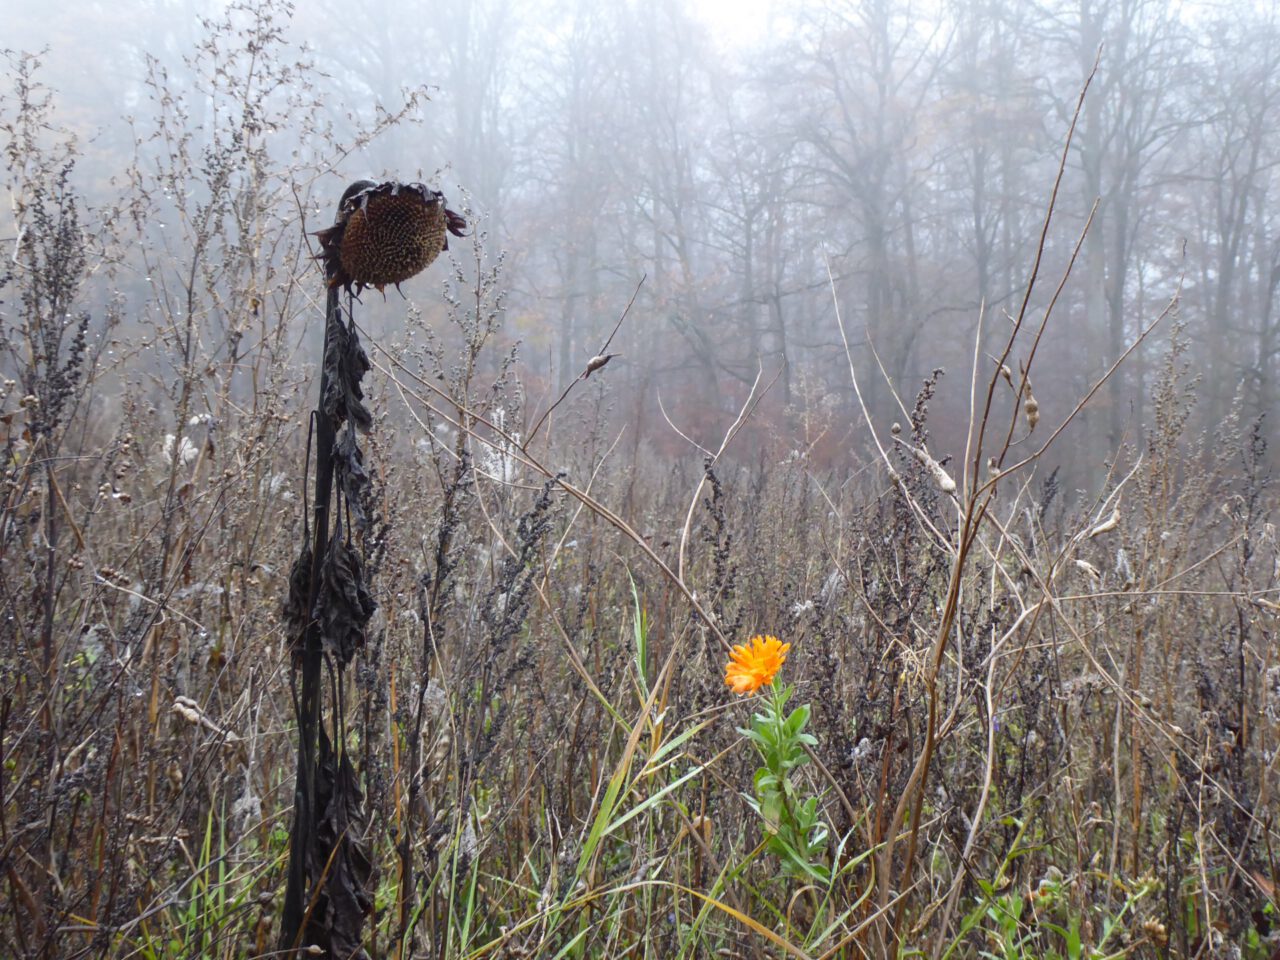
<point>1046,723</point>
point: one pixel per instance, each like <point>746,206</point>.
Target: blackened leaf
<point>353,480</point>
<point>344,604</point>
<point>456,222</point>
<point>295,606</point>
<point>349,199</point>
<point>345,364</point>
<point>339,859</point>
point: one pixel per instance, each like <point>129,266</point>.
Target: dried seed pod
<point>1107,525</point>
<point>940,476</point>
<point>1032,408</point>
<point>386,233</point>
<point>1155,931</point>
<point>1089,570</point>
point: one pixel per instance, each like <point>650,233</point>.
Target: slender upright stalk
<point>307,705</point>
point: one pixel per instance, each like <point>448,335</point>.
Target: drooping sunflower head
<point>754,664</point>
<point>386,233</point>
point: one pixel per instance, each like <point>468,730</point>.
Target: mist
<point>939,338</point>
<point>910,150</point>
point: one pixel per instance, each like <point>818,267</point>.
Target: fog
<point>909,148</point>
<point>931,345</point>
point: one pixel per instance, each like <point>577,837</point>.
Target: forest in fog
<point>909,148</point>
<point>819,506</point>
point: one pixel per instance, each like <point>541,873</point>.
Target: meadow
<point>1016,718</point>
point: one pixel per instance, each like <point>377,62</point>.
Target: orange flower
<point>752,667</point>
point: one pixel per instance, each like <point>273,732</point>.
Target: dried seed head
<point>896,428</point>
<point>1032,409</point>
<point>1155,931</point>
<point>386,233</point>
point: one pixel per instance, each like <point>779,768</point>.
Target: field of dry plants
<point>1019,720</point>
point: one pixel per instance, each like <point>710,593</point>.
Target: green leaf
<point>640,637</point>
<point>796,722</point>
<point>652,799</point>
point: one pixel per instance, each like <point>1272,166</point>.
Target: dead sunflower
<point>753,666</point>
<point>386,233</point>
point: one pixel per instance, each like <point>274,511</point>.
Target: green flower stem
<point>792,830</point>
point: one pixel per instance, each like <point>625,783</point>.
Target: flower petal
<point>753,665</point>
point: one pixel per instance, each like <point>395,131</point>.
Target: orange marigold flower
<point>752,667</point>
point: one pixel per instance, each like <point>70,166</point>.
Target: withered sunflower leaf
<point>339,859</point>
<point>344,604</point>
<point>353,479</point>
<point>295,605</point>
<point>345,364</point>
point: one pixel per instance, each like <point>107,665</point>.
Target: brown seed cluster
<point>393,238</point>
<point>386,233</point>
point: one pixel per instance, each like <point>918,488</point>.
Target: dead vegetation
<point>1045,720</point>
